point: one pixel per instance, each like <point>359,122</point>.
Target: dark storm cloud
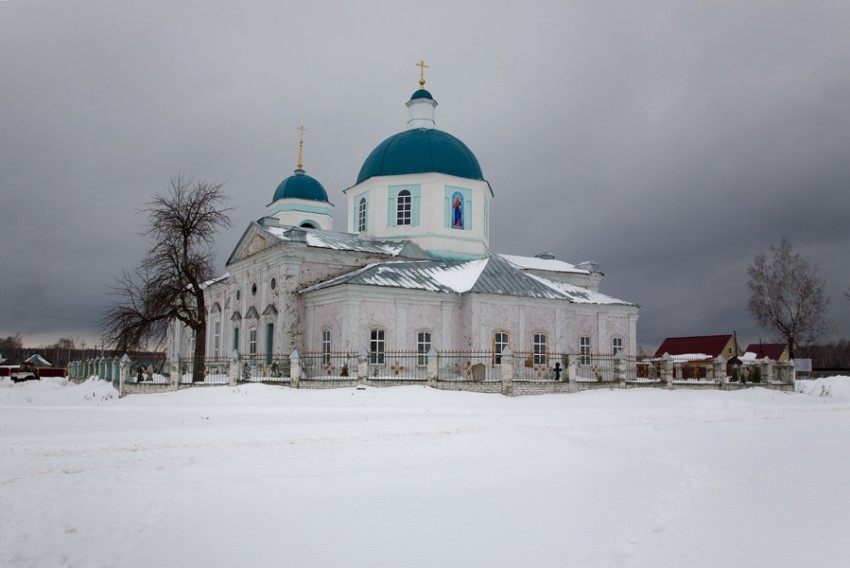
<point>668,141</point>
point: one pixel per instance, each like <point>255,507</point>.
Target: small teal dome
<point>421,94</point>
<point>300,186</point>
<point>421,150</point>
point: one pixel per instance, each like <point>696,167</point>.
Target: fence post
<point>620,368</point>
<point>174,371</point>
<point>507,371</point>
<point>767,370</point>
<point>295,369</point>
<point>123,373</point>
<point>667,370</point>
<point>433,367</point>
<point>719,368</point>
<point>572,372</point>
<point>362,365</point>
<point>787,372</point>
<point>233,368</point>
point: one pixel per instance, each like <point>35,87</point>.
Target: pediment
<point>252,313</point>
<point>253,241</point>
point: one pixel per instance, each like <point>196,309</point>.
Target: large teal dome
<point>421,150</point>
<point>300,186</point>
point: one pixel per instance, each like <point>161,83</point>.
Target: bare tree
<point>168,284</point>
<point>11,349</point>
<point>787,296</point>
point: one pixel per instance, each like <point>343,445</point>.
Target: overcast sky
<point>669,141</point>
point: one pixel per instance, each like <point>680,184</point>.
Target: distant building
<point>39,361</point>
<point>700,347</point>
<point>777,352</point>
<point>414,271</point>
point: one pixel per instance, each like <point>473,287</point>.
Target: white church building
<point>413,271</point>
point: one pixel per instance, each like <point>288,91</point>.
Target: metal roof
<point>335,240</point>
<point>492,275</point>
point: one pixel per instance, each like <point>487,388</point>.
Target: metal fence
<point>329,366</point>
<point>530,366</point>
<point>399,366</point>
<point>479,367</point>
<point>532,370</point>
<point>264,368</point>
<point>598,368</point>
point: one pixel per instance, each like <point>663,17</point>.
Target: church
<point>414,270</point>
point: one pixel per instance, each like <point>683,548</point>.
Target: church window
<point>217,338</point>
<point>273,283</point>
<point>423,346</point>
<point>541,349</point>
<point>307,225</point>
<point>269,342</point>
<point>238,295</point>
<point>584,350</point>
<point>235,338</point>
<point>501,340</point>
<point>361,215</point>
<point>254,289</point>
<point>377,346</point>
<point>403,208</point>
<point>616,345</point>
<point>252,341</point>
<point>326,346</point>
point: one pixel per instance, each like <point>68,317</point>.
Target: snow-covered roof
<point>215,280</point>
<point>38,361</point>
<point>687,357</point>
<point>536,263</point>
<point>491,275</point>
<point>334,240</point>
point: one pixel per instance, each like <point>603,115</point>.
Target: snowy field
<point>412,477</point>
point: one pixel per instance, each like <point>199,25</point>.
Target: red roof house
<point>775,351</point>
<point>711,346</point>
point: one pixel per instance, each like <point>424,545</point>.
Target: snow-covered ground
<point>270,476</point>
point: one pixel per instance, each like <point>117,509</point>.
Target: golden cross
<point>422,68</point>
<point>301,146</point>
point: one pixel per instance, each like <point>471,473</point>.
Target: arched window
<point>252,341</point>
<point>269,342</point>
<point>361,215</point>
<point>423,346</point>
<point>584,350</point>
<point>377,346</point>
<point>541,349</point>
<point>326,346</point>
<point>403,208</point>
<point>501,341</point>
<point>616,345</point>
<point>307,225</point>
<point>217,338</point>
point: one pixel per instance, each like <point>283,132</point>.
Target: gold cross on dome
<point>422,68</point>
<point>301,146</point>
